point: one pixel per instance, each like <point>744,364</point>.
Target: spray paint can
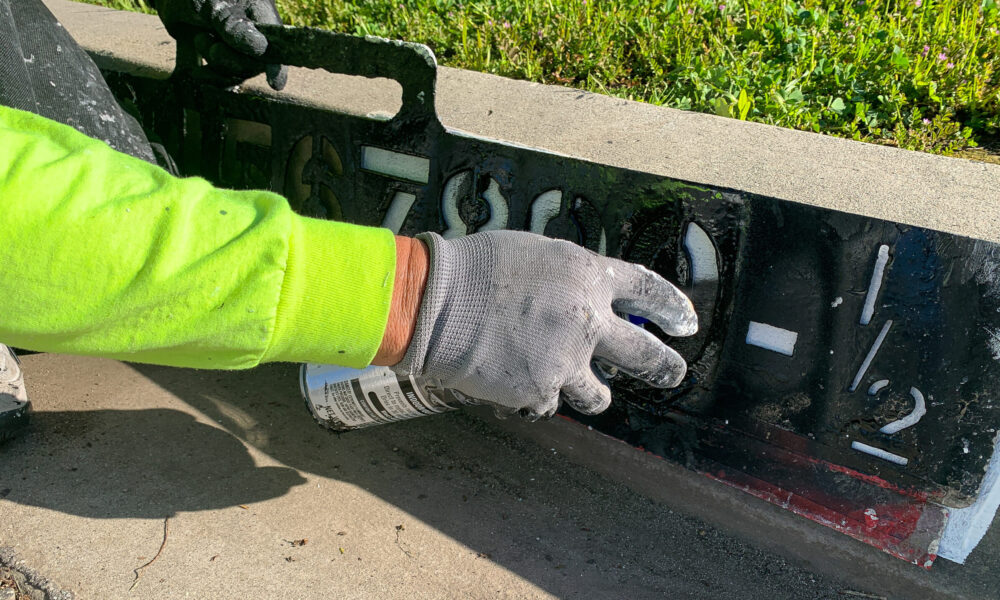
<point>343,399</point>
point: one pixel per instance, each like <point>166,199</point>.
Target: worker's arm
<point>104,254</point>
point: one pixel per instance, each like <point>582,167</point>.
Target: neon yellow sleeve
<point>104,254</point>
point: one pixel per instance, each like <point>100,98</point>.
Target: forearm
<point>104,254</point>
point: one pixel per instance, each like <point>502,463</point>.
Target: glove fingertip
<point>240,33</point>
<point>672,375</point>
<point>277,76</point>
<point>688,325</point>
<point>254,40</point>
<point>594,408</point>
<point>589,398</point>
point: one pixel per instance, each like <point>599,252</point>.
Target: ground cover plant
<point>919,74</point>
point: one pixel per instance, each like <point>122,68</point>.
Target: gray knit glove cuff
<point>514,319</point>
<point>439,275</point>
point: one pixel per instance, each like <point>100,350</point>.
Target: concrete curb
<point>768,526</point>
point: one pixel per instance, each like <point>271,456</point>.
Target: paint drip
<point>993,341</point>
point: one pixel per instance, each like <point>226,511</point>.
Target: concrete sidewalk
<point>261,502</point>
<point>256,501</point>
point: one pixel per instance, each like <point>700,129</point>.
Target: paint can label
<point>342,399</point>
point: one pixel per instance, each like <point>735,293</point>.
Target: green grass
<point>920,74</point>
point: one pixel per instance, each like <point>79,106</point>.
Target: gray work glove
<point>514,319</point>
<point>223,33</point>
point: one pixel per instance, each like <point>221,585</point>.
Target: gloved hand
<point>514,319</point>
<point>224,34</point>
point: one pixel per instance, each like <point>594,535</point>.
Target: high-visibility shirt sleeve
<point>104,254</point>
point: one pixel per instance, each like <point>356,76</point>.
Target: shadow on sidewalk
<point>528,509</point>
<point>567,530</point>
<point>133,464</point>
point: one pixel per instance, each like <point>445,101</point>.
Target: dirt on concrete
<point>19,582</point>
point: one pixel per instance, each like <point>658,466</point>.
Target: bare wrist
<point>412,260</point>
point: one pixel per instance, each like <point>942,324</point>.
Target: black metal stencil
<point>799,270</point>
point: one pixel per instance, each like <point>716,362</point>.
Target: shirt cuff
<point>336,294</point>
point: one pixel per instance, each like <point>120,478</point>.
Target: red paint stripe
<point>887,526</point>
